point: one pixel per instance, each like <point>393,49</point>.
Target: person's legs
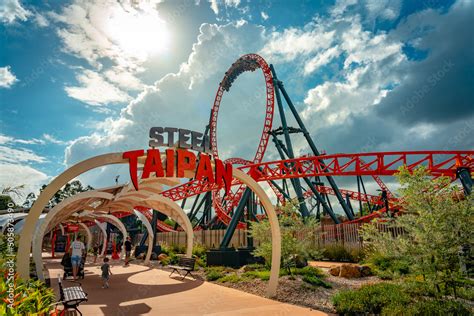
<point>127,257</point>
<point>75,261</point>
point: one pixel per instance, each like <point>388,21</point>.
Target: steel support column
<point>239,211</point>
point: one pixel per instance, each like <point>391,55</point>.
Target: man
<point>128,250</point>
<point>77,250</point>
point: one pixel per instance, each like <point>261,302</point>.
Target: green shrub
<point>214,273</point>
<point>309,271</point>
<point>262,275</point>
<point>337,252</point>
<point>254,267</point>
<point>231,278</point>
<point>369,299</point>
<point>313,280</point>
<point>427,307</point>
<point>388,268</point>
<point>199,251</point>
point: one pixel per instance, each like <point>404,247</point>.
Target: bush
<point>32,297</point>
<point>427,307</point>
<point>369,299</point>
<point>214,273</point>
<point>337,252</point>
<point>313,280</point>
<point>262,274</point>
<point>231,278</point>
<point>309,271</point>
<point>388,268</point>
<point>199,251</point>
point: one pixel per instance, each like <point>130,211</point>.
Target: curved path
<point>139,290</point>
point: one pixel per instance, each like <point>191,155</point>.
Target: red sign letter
<point>132,157</point>
<point>205,168</point>
<point>153,164</point>
<point>223,175</point>
<point>183,164</point>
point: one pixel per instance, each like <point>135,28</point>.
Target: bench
<point>184,264</point>
<point>71,297</point>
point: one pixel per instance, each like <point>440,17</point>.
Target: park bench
<point>184,264</point>
<point>71,297</point>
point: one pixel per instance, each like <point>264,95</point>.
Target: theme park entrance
<point>228,194</point>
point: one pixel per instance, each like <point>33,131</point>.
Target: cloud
<point>12,155</point>
<point>95,90</point>
<point>7,78</point>
<point>15,174</point>
<point>439,87</point>
<point>264,15</point>
<point>53,140</point>
<point>342,72</point>
<point>41,20</point>
<point>109,36</point>
<point>12,10</point>
<point>183,99</point>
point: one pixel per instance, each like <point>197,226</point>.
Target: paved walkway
<point>139,290</point>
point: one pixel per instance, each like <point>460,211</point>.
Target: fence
<point>346,235</point>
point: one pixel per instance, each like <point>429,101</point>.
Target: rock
<point>365,271</point>
<point>334,270</point>
<point>162,257</point>
<point>349,271</point>
<point>301,262</point>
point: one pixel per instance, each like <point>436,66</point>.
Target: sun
<point>138,33</point>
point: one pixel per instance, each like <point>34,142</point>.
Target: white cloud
<point>53,140</point>
<point>321,59</point>
<point>11,10</point>
<point>294,42</point>
<point>214,6</point>
<point>11,155</point>
<point>95,90</point>
<point>183,100</point>
<point>15,175</point>
<point>264,15</point>
<point>7,78</point>
<point>383,9</point>
<point>41,20</point>
<point>116,39</point>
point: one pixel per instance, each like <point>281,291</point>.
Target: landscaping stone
<point>334,270</point>
<point>162,257</point>
<point>349,271</point>
<point>365,271</point>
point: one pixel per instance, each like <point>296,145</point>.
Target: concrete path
<point>139,290</point>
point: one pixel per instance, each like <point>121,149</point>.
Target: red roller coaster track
<point>437,163</point>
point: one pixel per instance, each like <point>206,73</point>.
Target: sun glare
<point>139,34</point>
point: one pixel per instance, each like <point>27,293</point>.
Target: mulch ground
<point>296,291</point>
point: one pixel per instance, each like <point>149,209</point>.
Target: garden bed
<point>291,289</point>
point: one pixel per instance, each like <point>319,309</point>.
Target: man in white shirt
<point>77,249</point>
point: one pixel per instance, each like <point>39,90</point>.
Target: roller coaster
<point>309,178</point>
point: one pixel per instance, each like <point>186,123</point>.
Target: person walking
<point>128,250</point>
<point>77,250</point>
<point>106,273</point>
<point>95,251</point>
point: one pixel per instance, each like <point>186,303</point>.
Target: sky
<point>83,78</point>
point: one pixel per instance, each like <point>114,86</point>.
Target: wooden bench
<point>184,264</point>
<point>71,297</point>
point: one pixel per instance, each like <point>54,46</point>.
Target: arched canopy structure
<point>126,198</point>
<point>149,229</point>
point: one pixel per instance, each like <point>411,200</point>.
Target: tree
<point>296,235</point>
<point>69,189</point>
<point>6,196</point>
<point>438,222</point>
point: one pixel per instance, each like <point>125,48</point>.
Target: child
<point>105,273</point>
